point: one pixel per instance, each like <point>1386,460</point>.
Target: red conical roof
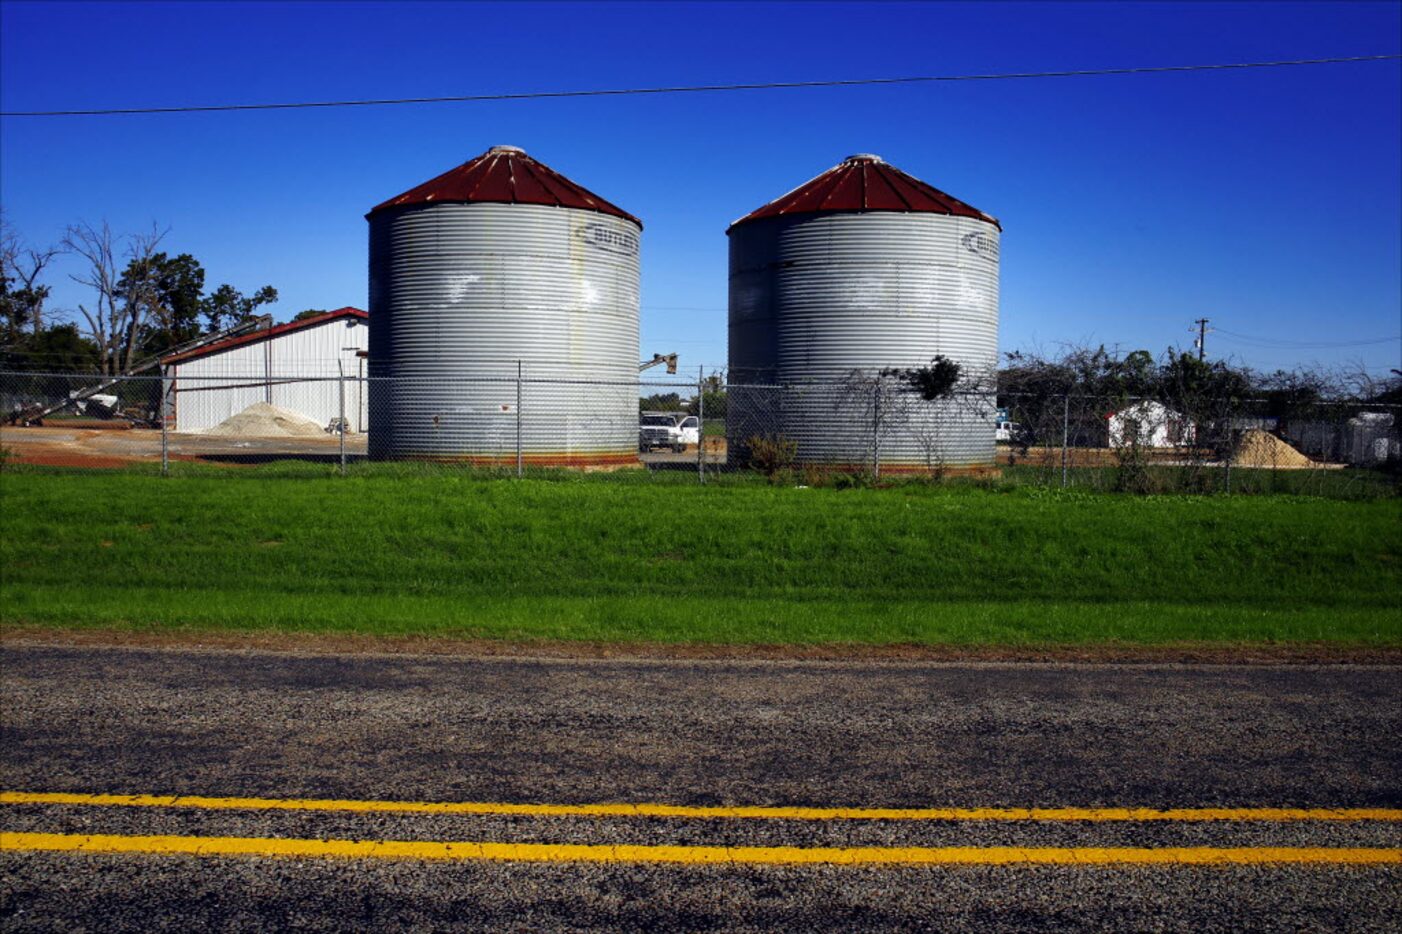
<point>866,183</point>
<point>505,175</point>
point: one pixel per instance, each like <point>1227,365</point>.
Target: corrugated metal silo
<point>861,269</point>
<point>497,262</point>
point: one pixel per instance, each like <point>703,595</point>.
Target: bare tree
<point>21,268</point>
<point>1354,380</point>
<point>123,303</point>
<point>899,405</point>
<point>94,245</point>
<point>872,405</point>
<point>942,401</point>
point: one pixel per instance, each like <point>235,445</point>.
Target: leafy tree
<point>660,402</point>
<point>179,288</point>
<point>309,313</point>
<point>1189,382</point>
<point>1081,371</point>
<point>58,348</point>
<point>713,391</point>
<point>17,310</point>
<point>227,306</point>
<point>163,296</point>
<point>1292,393</point>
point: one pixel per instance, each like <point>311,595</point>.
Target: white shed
<point>295,366</point>
<point>1149,424</point>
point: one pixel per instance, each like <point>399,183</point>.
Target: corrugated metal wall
<point>819,304</point>
<point>463,292</point>
<point>278,370</point>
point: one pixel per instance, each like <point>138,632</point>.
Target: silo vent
<point>864,157</point>
<point>516,150</point>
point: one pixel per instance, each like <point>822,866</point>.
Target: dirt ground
<point>95,444</point>
<point>346,643</point>
<point>81,445</point>
<point>1050,459</point>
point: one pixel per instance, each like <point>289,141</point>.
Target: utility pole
<point>1202,337</point>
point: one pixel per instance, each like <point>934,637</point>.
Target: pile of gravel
<point>1261,449</point>
<point>261,420</point>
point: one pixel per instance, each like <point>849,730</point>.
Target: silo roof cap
<point>504,175</point>
<point>866,182</point>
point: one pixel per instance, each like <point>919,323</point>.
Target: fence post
<point>1065,435</point>
<point>341,422</point>
<point>166,388</point>
<point>701,424</point>
<point>520,460</point>
<point>876,428</point>
<point>1228,450</point>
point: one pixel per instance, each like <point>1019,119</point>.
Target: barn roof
<point>263,334</point>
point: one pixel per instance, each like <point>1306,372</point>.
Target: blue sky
<point>1269,201</point>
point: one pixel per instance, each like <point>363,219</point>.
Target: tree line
<point>1185,382</point>
<point>143,301</point>
<point>712,388</point>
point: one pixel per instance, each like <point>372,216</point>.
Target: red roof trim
<point>865,183</point>
<point>266,333</point>
<point>504,175</point>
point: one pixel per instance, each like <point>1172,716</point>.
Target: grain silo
<point>860,270</point>
<point>497,265</point>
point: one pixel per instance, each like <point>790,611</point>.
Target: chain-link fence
<point>1202,445</point>
<point>861,429</point>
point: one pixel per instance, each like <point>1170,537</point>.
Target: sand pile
<point>1260,449</point>
<point>261,420</point>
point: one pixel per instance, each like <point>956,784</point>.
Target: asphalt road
<point>706,733</point>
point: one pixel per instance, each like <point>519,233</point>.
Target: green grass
<point>420,551</point>
<point>1242,481</point>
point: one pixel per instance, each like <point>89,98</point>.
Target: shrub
<point>770,454</point>
<point>815,475</point>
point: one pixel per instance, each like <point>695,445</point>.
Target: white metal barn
<point>295,366</point>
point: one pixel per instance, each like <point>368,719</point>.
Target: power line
<point>1283,344</point>
<point>692,89</point>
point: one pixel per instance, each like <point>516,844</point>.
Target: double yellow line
<point>735,855</point>
<point>782,855</point>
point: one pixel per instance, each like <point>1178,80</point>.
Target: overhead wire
<point>1283,344</point>
<point>694,89</point>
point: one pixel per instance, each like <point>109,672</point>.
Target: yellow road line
<point>769,855</point>
<point>670,810</point>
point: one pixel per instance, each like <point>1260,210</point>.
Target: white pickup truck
<point>668,430</point>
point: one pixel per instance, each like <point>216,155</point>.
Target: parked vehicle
<point>659,430</point>
<point>689,429</point>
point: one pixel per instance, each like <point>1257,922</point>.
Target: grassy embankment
<point>596,559</point>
